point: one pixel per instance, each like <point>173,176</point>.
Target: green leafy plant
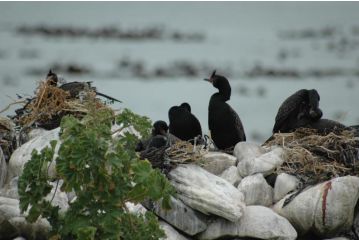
<point>103,172</point>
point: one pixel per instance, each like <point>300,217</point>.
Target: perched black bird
<point>159,137</point>
<point>326,126</point>
<point>183,124</point>
<point>223,122</point>
<point>52,78</point>
<point>74,88</point>
<point>298,110</point>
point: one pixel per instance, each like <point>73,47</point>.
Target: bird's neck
<point>220,97</point>
<point>225,93</point>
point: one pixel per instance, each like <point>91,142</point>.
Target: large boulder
<point>23,154</point>
<point>325,209</point>
<point>257,222</point>
<point>182,217</point>
<point>265,163</point>
<point>256,190</point>
<point>217,162</point>
<point>231,175</point>
<point>206,192</point>
<point>284,184</point>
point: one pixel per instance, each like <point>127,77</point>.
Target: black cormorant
<point>326,126</point>
<point>223,122</point>
<point>74,88</point>
<point>298,110</point>
<point>183,124</point>
<point>159,137</point>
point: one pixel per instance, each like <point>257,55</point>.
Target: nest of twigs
<point>51,103</point>
<point>168,157</point>
<point>315,157</point>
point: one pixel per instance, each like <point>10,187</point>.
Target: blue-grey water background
<point>298,44</point>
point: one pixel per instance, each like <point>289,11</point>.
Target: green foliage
<point>104,174</point>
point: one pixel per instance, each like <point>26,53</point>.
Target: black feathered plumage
<point>183,124</point>
<point>326,126</point>
<point>223,122</point>
<point>298,110</point>
<point>159,137</point>
<point>74,88</point>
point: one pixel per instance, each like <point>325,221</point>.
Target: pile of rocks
<point>227,197</point>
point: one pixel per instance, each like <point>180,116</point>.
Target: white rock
<point>206,192</point>
<point>36,230</point>
<point>60,199</point>
<point>137,209</point>
<point>9,201</point>
<point>284,184</point>
<point>182,217</point>
<point>265,163</point>
<point>9,208</point>
<point>257,222</point>
<point>10,190</point>
<point>10,211</point>
<point>256,190</point>
<point>231,174</point>
<point>36,132</point>
<point>3,168</point>
<point>326,209</point>
<point>119,132</point>
<point>217,162</point>
<point>171,233</point>
<point>23,154</point>
<point>245,151</point>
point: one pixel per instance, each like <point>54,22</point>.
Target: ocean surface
<point>268,50</point>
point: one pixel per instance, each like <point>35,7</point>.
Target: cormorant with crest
<point>223,122</point>
<point>183,124</point>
